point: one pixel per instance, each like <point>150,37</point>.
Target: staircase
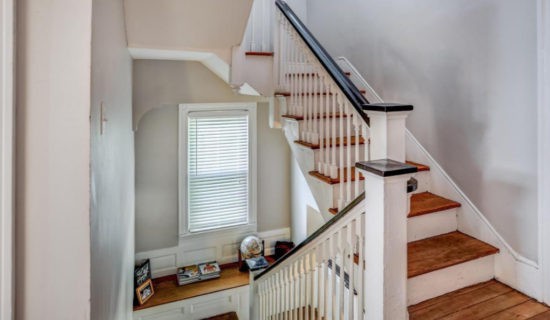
<point>390,241</point>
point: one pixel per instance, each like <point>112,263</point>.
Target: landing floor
<point>490,300</point>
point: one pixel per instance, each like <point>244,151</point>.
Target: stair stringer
<point>510,267</point>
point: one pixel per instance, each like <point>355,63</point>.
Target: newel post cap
<point>386,167</point>
<point>387,107</point>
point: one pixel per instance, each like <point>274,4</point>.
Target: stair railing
<point>322,278</point>
<point>328,104</point>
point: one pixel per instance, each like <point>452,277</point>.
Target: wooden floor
<point>490,300</point>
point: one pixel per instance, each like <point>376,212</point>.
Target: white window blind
<point>218,170</point>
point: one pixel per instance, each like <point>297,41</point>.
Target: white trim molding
<point>186,237</point>
<point>543,30</point>
<point>7,79</point>
<point>221,248</point>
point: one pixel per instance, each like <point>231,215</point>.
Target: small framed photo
<point>142,273</point>
<point>145,291</point>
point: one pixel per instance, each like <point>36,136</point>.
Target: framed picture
<point>145,291</point>
<point>142,273</point>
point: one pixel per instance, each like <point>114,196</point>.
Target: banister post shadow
<point>386,207</point>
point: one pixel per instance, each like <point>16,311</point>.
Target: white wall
<point>53,159</point>
<point>112,166</point>
<point>168,83</point>
<point>469,68</point>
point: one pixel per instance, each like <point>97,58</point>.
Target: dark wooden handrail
<point>314,235</point>
<point>353,93</point>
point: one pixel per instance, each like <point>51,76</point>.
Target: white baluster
<point>277,296</point>
<point>348,152</point>
<point>307,285</point>
<point>309,107</point>
<point>360,231</point>
<point>297,295</point>
<point>341,151</point>
<point>319,277</point>
<point>326,280</point>
<point>303,99</point>
<point>260,300</point>
<point>321,165</point>
<point>333,253</point>
<point>293,77</point>
<point>342,254</point>
<point>315,107</point>
<point>334,167</point>
<point>312,272</point>
<point>326,169</point>
<point>351,266</point>
<point>356,127</point>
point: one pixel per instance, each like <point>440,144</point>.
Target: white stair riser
<point>424,181</point>
<point>432,224</point>
<point>317,153</point>
<point>440,282</point>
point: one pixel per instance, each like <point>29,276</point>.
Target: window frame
<point>183,179</point>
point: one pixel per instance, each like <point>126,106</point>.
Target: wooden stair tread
<point>488,300</point>
<point>316,117</point>
<point>329,180</point>
<point>337,143</point>
<point>419,166</point>
<point>288,94</point>
<point>225,316</point>
<point>444,251</point>
<point>260,53</point>
<point>426,202</point>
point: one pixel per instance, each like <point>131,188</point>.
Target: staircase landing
<point>490,300</point>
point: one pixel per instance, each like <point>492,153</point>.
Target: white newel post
<point>386,207</point>
<point>387,130</point>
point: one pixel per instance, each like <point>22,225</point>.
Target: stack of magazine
<point>194,273</point>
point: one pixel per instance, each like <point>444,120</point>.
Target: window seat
<point>167,289</point>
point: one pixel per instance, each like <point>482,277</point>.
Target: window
<point>217,159</point>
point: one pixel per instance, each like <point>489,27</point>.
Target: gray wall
<point>469,68</point>
<point>112,171</point>
<point>167,83</point>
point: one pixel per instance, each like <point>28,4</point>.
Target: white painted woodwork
<point>313,94</point>
<point>543,27</point>
<point>7,118</point>
<point>436,283</point>
<point>387,131</point>
<point>222,248</point>
<point>305,278</point>
<point>433,224</point>
<point>201,307</point>
<point>386,208</point>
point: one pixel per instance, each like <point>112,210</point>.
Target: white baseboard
<point>224,250</point>
<point>511,267</point>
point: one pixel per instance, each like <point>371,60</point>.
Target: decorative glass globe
<point>251,247</point>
